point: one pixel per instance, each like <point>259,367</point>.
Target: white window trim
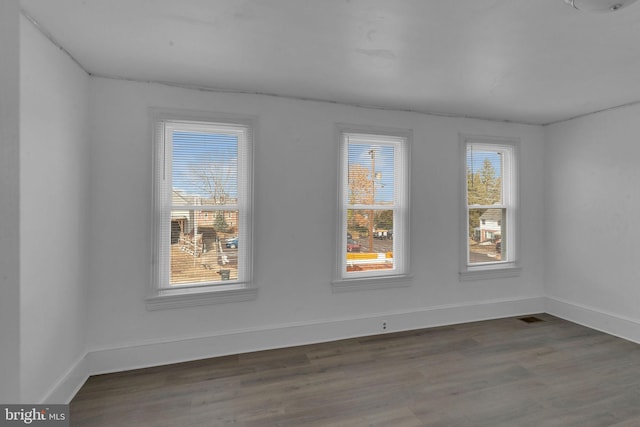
<point>400,276</point>
<point>510,267</point>
<point>187,296</point>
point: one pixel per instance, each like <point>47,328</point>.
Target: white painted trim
<point>196,297</point>
<point>158,297</point>
<point>490,272</point>
<point>165,351</point>
<point>180,349</point>
<point>509,268</point>
<point>369,283</point>
<point>614,324</point>
<point>66,387</point>
<point>401,140</point>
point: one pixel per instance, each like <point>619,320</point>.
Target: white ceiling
<point>527,61</point>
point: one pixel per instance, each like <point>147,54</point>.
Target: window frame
<point>401,140</point>
<point>511,192</point>
<point>161,295</point>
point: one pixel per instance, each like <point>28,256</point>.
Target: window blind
<point>374,204</point>
<point>489,203</point>
<point>203,198</point>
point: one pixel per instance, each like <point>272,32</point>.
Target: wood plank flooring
<point>494,373</point>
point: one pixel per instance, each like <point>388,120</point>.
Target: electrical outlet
<point>384,326</point>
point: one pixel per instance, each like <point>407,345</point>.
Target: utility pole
<point>372,153</point>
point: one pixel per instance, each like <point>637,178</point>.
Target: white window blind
<point>374,205</point>
<point>490,198</point>
<point>203,204</point>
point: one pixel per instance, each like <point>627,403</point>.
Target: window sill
<point>181,298</point>
<point>368,283</point>
<point>491,272</point>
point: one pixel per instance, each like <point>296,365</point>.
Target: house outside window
<point>373,238</point>
<point>490,210</point>
<point>202,220</point>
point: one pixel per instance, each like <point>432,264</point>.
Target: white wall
<point>9,196</point>
<point>296,159</point>
<point>53,214</point>
<point>81,160</point>
<point>592,208</point>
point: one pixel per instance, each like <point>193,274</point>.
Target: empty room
<point>320,213</point>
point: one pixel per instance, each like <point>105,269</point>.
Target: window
<point>490,208</point>
<point>374,209</point>
<point>202,226</point>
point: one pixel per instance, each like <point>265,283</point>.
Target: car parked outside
<point>232,243</point>
<point>353,246</point>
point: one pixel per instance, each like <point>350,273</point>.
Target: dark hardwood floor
<point>502,372</point>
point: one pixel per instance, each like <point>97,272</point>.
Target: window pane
<point>486,229</point>
<point>369,240</point>
<point>484,176</point>
<point>370,175</point>
<point>204,246</point>
<point>205,168</point>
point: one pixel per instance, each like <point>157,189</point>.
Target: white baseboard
<point>162,352</point>
<point>181,349</point>
<point>154,353</point>
<point>68,384</point>
<point>594,318</point>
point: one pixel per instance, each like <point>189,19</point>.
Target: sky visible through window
<point>486,226</point>
<point>196,152</point>
<point>361,154</point>
<point>476,158</point>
